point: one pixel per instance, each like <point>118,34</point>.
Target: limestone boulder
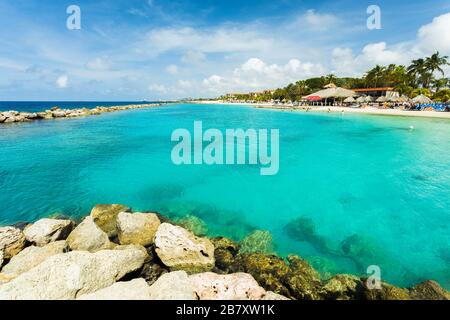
<point>12,241</point>
<point>74,274</point>
<point>179,249</point>
<point>237,286</point>
<point>30,257</point>
<point>173,286</point>
<point>137,228</point>
<point>105,216</point>
<point>45,231</point>
<point>87,236</point>
<point>136,289</point>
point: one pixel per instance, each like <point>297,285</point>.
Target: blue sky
<point>157,49</point>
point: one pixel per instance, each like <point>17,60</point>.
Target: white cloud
<point>185,84</point>
<point>256,74</point>
<point>159,88</point>
<point>172,69</point>
<point>215,40</point>
<point>316,21</point>
<point>193,57</point>
<point>62,81</point>
<point>98,64</point>
<point>436,35</point>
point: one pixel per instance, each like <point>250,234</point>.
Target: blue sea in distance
<point>355,190</point>
<point>37,106</point>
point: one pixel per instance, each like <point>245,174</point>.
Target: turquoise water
<point>368,190</point>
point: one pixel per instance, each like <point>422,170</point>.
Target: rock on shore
<point>179,249</point>
<point>73,274</point>
<point>57,113</point>
<point>87,236</point>
<point>45,231</point>
<point>12,241</point>
<point>165,262</point>
<point>137,228</point>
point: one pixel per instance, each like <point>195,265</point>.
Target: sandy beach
<point>333,109</point>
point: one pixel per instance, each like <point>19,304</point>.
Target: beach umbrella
<point>368,99</point>
<point>421,99</point>
<point>404,98</point>
<point>313,98</point>
<point>349,100</point>
<point>361,99</point>
<point>334,92</point>
<point>381,99</point>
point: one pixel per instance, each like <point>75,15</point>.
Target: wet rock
<point>105,216</point>
<point>30,257</point>
<point>225,251</point>
<point>152,271</point>
<point>181,250</point>
<point>387,292</point>
<point>87,236</point>
<point>257,242</point>
<point>2,118</point>
<point>173,286</point>
<point>70,275</point>
<point>45,231</point>
<point>342,287</point>
<point>362,250</point>
<point>194,224</point>
<point>302,280</point>
<point>429,290</point>
<point>136,289</point>
<point>269,270</point>
<point>237,286</point>
<point>303,229</point>
<point>58,114</point>
<point>326,267</point>
<point>137,228</point>
<point>12,241</point>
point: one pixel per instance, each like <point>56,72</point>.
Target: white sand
<point>326,109</point>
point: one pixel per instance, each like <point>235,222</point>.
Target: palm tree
<point>417,68</point>
<point>438,84</point>
<point>331,78</point>
<point>375,76</point>
<point>435,62</point>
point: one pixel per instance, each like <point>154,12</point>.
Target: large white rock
<point>70,275</point>
<point>87,236</point>
<point>173,286</point>
<point>30,257</point>
<point>137,228</point>
<point>238,286</point>
<point>105,216</point>
<point>48,230</point>
<point>136,289</point>
<point>179,249</point>
<point>12,241</point>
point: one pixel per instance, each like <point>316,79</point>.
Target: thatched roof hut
<point>350,100</point>
<point>334,92</point>
<point>422,99</point>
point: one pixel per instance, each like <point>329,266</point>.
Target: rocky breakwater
<point>115,254</point>
<point>58,113</point>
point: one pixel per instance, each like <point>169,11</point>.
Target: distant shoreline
<point>333,109</point>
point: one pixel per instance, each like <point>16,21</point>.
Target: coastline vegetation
<point>423,76</point>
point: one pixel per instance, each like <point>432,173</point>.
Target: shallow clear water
<point>344,175</point>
